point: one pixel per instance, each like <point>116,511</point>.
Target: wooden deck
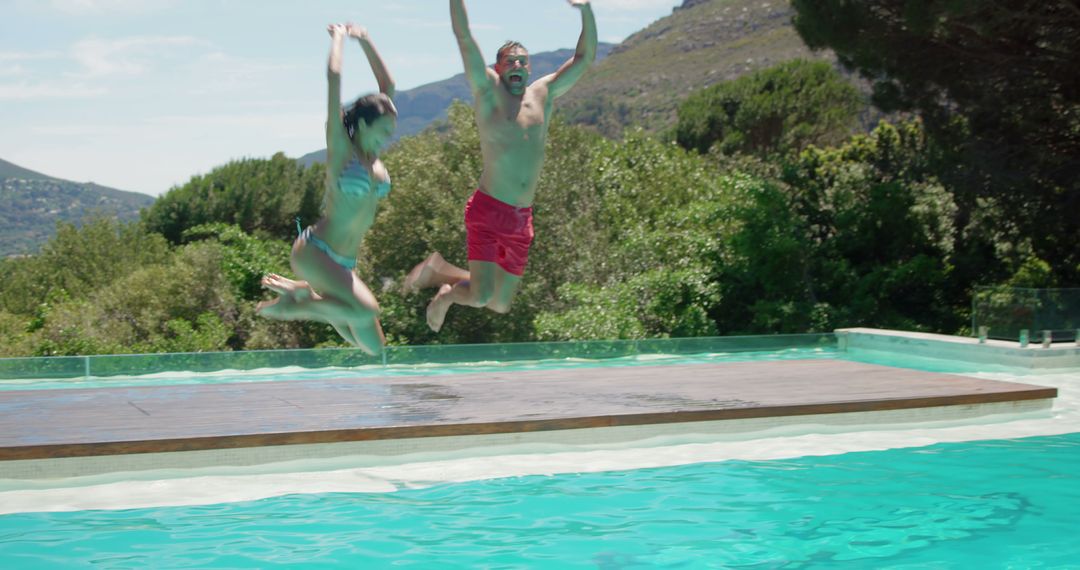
<point>111,421</point>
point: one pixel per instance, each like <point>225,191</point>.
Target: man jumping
<point>512,118</point>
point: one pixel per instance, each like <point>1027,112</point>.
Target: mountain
<point>421,106</point>
<point>31,203</point>
<point>703,42</point>
<point>9,170</point>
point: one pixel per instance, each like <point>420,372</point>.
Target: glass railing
<point>144,364</point>
<point>1026,315</point>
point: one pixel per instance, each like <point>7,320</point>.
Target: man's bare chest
<point>522,123</point>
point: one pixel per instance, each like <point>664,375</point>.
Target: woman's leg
<point>345,298</point>
<point>334,295</point>
<point>290,304</point>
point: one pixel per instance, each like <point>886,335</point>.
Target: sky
<point>141,95</point>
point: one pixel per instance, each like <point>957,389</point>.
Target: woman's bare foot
<point>436,309</point>
<point>272,281</point>
<point>290,293</point>
<point>283,285</point>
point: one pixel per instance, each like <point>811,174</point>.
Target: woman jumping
<point>324,255</point>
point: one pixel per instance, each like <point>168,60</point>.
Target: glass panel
<point>143,364</point>
<point>138,364</point>
<point>1007,311</point>
<point>54,367</point>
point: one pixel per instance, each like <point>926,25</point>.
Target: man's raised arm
<point>475,68</point>
<point>566,76</point>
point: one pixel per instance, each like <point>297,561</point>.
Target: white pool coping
<point>965,349</point>
<point>390,451</point>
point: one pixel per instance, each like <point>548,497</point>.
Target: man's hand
<point>355,31</point>
<point>336,30</point>
<point>578,3</point>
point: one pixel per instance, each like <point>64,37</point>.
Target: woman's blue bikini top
<point>355,181</point>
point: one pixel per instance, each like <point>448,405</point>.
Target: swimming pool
<point>911,508</point>
<point>999,494</point>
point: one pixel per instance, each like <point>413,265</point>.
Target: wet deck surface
<point>109,421</point>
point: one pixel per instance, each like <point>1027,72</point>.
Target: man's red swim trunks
<point>498,232</point>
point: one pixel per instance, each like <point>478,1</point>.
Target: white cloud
<point>125,56</point>
<point>276,124</point>
<point>11,70</point>
<point>76,130</point>
<point>6,56</point>
<point>217,73</point>
<point>81,7</point>
<point>273,122</point>
<point>413,23</point>
<point>24,91</point>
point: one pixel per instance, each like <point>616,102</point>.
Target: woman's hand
<point>355,31</point>
<point>336,30</point>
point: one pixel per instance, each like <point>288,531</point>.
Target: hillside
<point>426,104</point>
<point>703,42</point>
<point>9,170</point>
<point>31,203</point>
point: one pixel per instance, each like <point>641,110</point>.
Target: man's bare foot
<point>424,275</point>
<point>436,309</point>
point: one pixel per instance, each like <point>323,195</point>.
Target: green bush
<point>778,110</point>
<point>261,196</point>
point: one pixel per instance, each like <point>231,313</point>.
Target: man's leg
<point>474,292</point>
<point>433,272</point>
<point>506,286</point>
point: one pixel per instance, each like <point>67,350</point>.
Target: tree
<point>995,82</point>
<point>859,235</point>
<point>777,110</point>
<point>647,231</point>
<point>184,304</point>
<point>261,196</point>
<point>245,259</point>
<point>78,261</point>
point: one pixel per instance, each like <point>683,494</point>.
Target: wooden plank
<point>107,421</point>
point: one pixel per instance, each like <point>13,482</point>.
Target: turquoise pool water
<point>989,504</point>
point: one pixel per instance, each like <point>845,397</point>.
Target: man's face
<point>513,68</point>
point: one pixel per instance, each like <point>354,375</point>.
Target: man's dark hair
<point>368,108</point>
<point>509,45</point>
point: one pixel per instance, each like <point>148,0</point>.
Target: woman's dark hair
<point>368,108</point>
